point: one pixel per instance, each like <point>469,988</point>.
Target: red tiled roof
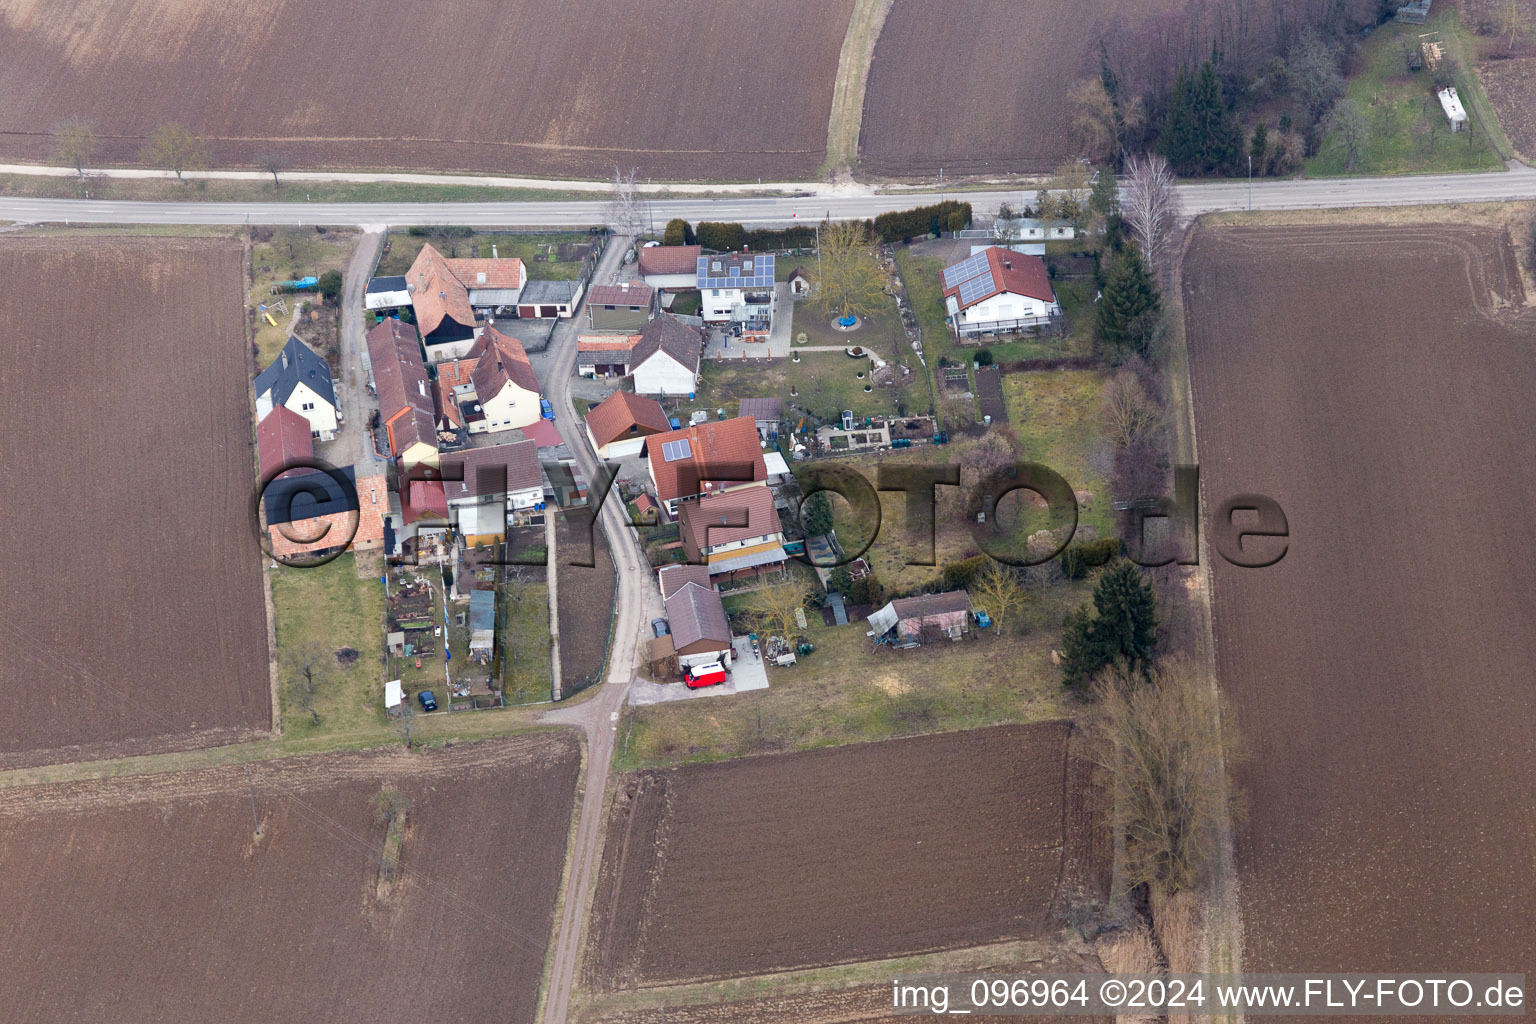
<point>400,378</point>
<point>520,459</point>
<point>423,499</point>
<point>502,359</point>
<point>719,451</point>
<point>436,293</point>
<point>704,522</point>
<point>670,259</point>
<point>1014,272</point>
<point>628,293</point>
<point>282,439</point>
<point>448,404</point>
<point>543,433</point>
<point>498,273</point>
<point>622,414</point>
<point>454,372</point>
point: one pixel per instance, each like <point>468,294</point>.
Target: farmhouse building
<point>505,388</point>
<point>441,303</point>
<point>704,459</point>
<point>671,268</point>
<point>735,534</point>
<point>998,291</point>
<point>408,402</point>
<point>626,306</point>
<point>738,289</point>
<point>701,634</point>
<point>767,413</point>
<point>301,381</point>
<point>548,300</point>
<point>620,423</point>
<point>909,621</point>
<point>605,355</point>
<point>666,359</point>
<point>484,486</point>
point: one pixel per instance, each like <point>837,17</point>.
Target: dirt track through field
<point>680,90</point>
<point>131,613</point>
<point>151,898</point>
<point>1376,381</point>
<point>833,856</point>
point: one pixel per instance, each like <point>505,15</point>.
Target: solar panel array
<point>754,271</point>
<point>973,276</point>
<point>674,450</point>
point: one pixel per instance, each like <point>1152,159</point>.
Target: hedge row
<point>899,225</point>
<point>730,237</point>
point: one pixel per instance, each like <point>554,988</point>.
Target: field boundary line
<point>846,120</point>
<point>1224,924</point>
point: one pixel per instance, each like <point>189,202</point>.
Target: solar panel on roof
<point>674,450</point>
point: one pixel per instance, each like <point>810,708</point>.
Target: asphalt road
<point>1516,183</point>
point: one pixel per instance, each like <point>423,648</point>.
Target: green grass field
<point>1055,415</point>
<point>525,644</point>
<point>846,692</point>
<point>1395,101</point>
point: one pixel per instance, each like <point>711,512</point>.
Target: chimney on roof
<point>494,254</point>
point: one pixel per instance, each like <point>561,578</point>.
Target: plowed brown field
<point>151,898</point>
<point>839,855</point>
<point>131,613</point>
<point>1377,382</point>
<point>679,90</point>
<point>980,86</point>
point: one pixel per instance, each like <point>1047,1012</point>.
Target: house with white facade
<point>620,423</point>
<point>669,268</point>
<point>738,289</point>
<point>300,380</point>
<point>999,291</point>
<point>505,388</point>
<point>704,458</point>
<point>485,487</point>
<point>446,293</point>
<point>666,359</point>
<point>735,534</point>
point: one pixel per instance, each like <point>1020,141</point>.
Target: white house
<point>301,381</point>
<point>998,291</point>
<point>1031,229</point>
<point>493,484</point>
<point>505,388</point>
<point>735,533</point>
<point>620,423</point>
<point>666,359</point>
<point>670,268</point>
<point>386,293</point>
<point>737,288</point>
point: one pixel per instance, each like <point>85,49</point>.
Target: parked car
<point>428,702</point>
<point>660,627</point>
<point>712,674</point>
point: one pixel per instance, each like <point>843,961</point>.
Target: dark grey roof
<point>296,363</point>
<point>670,335</point>
<point>386,284</point>
<point>696,613</point>
<point>553,292</point>
<point>761,408</point>
<point>292,499</point>
<point>482,610</point>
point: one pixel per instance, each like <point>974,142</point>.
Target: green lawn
<point>824,383</point>
<point>287,254</point>
<point>845,692</point>
<point>325,609</point>
<point>537,250</point>
<point>1394,99</point>
<point>1055,415</point>
<point>525,643</point>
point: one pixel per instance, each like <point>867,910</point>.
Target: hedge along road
<point>1517,183</point>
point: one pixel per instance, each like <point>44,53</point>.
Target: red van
<point>712,674</point>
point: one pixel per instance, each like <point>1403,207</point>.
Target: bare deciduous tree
<point>1066,195</point>
<point>1511,22</point>
<point>176,149</point>
<point>775,606</point>
<point>273,163</point>
<point>849,279</point>
<point>389,809</point>
<point>624,212</point>
<point>1161,740</point>
<point>1094,125</point>
<point>74,143</point>
<point>1151,206</point>
<point>1348,122</point>
<point>1129,414</point>
<point>302,664</point>
<point>998,591</point>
